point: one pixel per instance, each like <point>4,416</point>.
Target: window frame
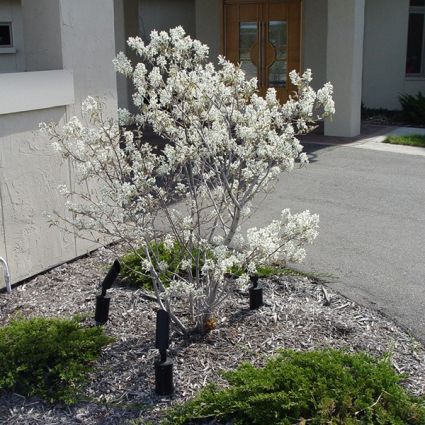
<point>9,24</point>
<point>421,74</point>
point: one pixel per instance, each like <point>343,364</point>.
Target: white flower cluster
<point>225,144</point>
<point>283,240</point>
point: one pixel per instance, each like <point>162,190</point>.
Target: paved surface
<point>372,224</point>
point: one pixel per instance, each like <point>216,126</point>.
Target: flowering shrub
<point>225,145</point>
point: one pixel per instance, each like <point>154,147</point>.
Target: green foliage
<point>413,108</point>
<point>271,270</point>
<point>49,358</point>
<point>318,387</point>
<point>409,140</point>
<point>133,272</point>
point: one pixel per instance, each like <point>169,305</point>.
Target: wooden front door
<point>264,37</point>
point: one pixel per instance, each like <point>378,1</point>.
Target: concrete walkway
<point>372,221</point>
<point>372,137</point>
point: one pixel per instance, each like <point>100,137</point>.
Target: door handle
<point>260,58</point>
<point>262,55</point>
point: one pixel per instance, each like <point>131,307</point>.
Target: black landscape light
<point>255,294</point>
<point>163,367</point>
<point>103,300</point>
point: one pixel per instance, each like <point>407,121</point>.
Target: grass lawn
<point>410,140</point>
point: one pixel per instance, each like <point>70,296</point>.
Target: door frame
<point>223,21</point>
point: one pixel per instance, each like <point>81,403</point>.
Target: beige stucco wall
<point>29,174</point>
<point>79,36</point>
<point>385,45</point>
<point>10,11</point>
<point>88,46</point>
<point>42,33</point>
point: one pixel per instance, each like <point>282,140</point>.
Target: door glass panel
<point>277,74</point>
<point>247,40</point>
<point>278,37</point>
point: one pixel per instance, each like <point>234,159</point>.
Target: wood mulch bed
<point>121,390</point>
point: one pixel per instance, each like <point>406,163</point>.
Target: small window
<point>6,39</point>
<point>415,59</point>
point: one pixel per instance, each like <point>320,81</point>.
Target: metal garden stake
<point>163,367</point>
<point>103,300</point>
<point>255,294</point>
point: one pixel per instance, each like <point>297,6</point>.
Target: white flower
<point>122,64</point>
<point>124,117</point>
<point>90,106</point>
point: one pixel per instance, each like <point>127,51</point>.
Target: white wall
<point>28,91</point>
<point>314,37</point>
<point>75,35</point>
<point>10,11</point>
<point>344,65</point>
<point>385,46</point>
<point>88,48</point>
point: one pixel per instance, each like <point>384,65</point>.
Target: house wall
<point>208,25</point>
<point>75,36</point>
<point>385,46</point>
<point>42,35</point>
<point>29,174</point>
<point>165,14</point>
<point>314,37</point>
<point>126,23</point>
<point>10,11</point>
<point>344,65</point>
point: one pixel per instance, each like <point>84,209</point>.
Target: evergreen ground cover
<point>317,387</point>
<point>48,358</point>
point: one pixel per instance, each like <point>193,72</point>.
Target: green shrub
<point>49,358</point>
<point>134,274</point>
<point>319,387</point>
<point>413,108</point>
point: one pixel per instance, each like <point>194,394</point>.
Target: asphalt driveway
<point>372,225</point>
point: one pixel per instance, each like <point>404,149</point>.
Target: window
<point>6,39</point>
<point>415,63</point>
